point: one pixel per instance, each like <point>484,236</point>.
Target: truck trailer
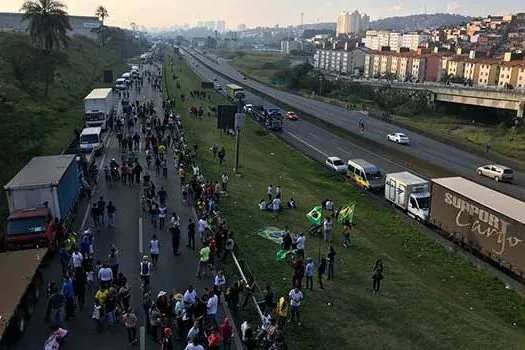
<point>409,192</point>
<point>235,92</point>
<point>98,107</point>
<point>487,221</point>
<point>271,118</point>
<point>46,187</point>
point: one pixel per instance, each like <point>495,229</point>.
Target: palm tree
<point>48,23</point>
<point>48,27</point>
<point>102,13</point>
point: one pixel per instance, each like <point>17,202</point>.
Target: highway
<point>131,236</point>
<point>319,142</point>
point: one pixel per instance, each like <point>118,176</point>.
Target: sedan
<point>398,137</point>
<point>291,116</point>
<point>248,108</point>
<point>335,164</point>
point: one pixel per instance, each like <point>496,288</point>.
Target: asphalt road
<point>174,273</point>
<point>318,142</point>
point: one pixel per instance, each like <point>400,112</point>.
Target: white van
<point>91,139</point>
<point>365,174</point>
<point>127,77</point>
<point>120,84</point>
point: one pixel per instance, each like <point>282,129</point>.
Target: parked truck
<point>272,118</point>
<point>99,106</point>
<point>47,187</point>
<point>410,193</point>
<point>486,221</point>
<point>235,92</point>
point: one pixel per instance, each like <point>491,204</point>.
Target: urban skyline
<point>171,13</point>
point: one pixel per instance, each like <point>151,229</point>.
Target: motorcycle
<point>56,338</point>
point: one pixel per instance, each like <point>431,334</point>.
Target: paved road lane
<point>173,273</point>
<point>451,159</point>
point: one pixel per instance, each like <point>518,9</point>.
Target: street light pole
<point>237,136</point>
<point>320,85</point>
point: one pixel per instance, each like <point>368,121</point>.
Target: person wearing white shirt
<point>105,275</point>
<point>225,182</point>
<point>276,204</point>
<point>327,227</point>
<point>218,285</point>
<point>300,243</point>
<point>213,303</point>
<point>190,296</point>
<point>154,250</point>
<point>175,220</point>
<point>162,216</point>
<point>296,296</point>
<point>201,226</point>
<point>77,258</point>
<point>193,345</point>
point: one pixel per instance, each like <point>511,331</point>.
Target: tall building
<point>343,23</point>
<point>209,25</point>
<point>221,26</point>
<point>365,22</point>
<point>241,27</point>
<point>355,22</point>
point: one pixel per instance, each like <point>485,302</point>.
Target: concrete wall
<point>81,25</point>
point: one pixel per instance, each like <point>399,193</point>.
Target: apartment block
<point>512,73</point>
<point>345,62</point>
<point>471,71</point>
<point>456,67</point>
<point>488,72</point>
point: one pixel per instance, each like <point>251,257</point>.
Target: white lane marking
<point>306,143</point>
<point>141,234</point>
<point>142,336</point>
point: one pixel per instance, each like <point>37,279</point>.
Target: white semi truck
<point>99,105</point>
<point>410,193</point>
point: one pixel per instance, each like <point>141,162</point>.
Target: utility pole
<point>237,135</point>
<point>320,85</point>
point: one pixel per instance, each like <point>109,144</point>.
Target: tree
<point>48,27</point>
<point>133,26</point>
<point>102,13</point>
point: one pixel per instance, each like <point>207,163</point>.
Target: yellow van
<point>365,174</point>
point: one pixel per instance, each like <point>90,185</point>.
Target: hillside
<point>36,125</point>
<point>418,22</point>
<point>404,23</point>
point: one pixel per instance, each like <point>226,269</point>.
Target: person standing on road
<point>162,215</point>
<point>218,285</point>
<point>154,250</point>
<point>163,195</point>
<point>79,286</point>
<point>130,321</point>
<point>191,234</point>
<point>204,258</point>
<point>175,239</point>
<point>95,215</point>
<point>101,205</point>
<point>69,294</point>
<point>226,330</point>
<point>111,214</point>
<point>212,306</point>
<point>201,225</point>
<point>113,260</point>
<point>105,276</point>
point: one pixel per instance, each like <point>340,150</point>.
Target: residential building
<point>385,62</point>
<point>471,71</point>
<point>209,25</point>
<point>343,23</point>
<point>488,72</point>
<point>376,39</point>
<point>369,65</point>
<point>287,46</point>
<point>395,41</point>
<point>355,22</point>
<point>414,40</point>
<point>456,67</point>
<point>241,27</point>
<point>404,70</point>
<point>417,72</point>
<point>433,70</point>
<point>345,62</point>
<point>80,25</point>
<point>365,22</point>
<point>221,26</point>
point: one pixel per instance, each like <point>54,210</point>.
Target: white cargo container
<point>409,192</point>
<point>98,106</point>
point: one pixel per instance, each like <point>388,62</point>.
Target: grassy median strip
<point>431,298</point>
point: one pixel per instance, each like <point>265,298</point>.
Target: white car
<point>335,164</point>
<point>398,137</point>
<point>248,108</point>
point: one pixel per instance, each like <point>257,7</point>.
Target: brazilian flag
<point>346,214</point>
<point>315,216</point>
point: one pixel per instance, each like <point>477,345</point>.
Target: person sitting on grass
<point>291,204</point>
<point>262,205</point>
<point>276,204</point>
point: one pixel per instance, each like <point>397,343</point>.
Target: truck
<point>45,188</point>
<point>486,221</point>
<point>235,92</point>
<point>272,118</point>
<point>408,192</point>
<point>98,107</point>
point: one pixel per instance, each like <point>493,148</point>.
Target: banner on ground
<point>315,216</point>
<point>346,214</point>
<point>274,234</point>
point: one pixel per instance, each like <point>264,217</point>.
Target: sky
<point>167,13</point>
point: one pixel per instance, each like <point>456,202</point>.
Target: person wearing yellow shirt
<point>282,311</point>
<point>204,255</point>
<point>101,296</point>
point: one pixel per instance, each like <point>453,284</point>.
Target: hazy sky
<point>165,13</point>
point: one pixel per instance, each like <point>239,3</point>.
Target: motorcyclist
<point>113,164</point>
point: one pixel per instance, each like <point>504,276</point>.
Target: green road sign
<point>277,81</point>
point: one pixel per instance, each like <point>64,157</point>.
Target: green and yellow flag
<point>346,214</point>
<point>315,216</point>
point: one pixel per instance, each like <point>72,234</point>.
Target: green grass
<point>503,140</point>
<point>33,124</point>
<point>431,298</point>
